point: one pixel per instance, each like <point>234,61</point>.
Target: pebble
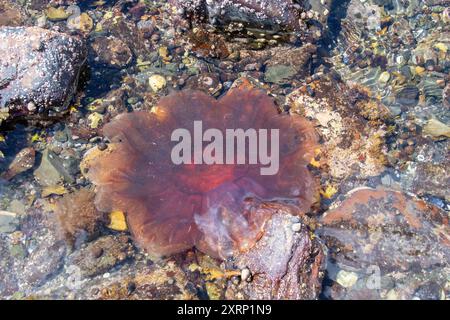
<point>56,14</point>
<point>102,146</point>
<point>296,227</point>
<point>31,106</point>
<point>157,82</point>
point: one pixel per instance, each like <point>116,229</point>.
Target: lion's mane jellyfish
<point>218,208</point>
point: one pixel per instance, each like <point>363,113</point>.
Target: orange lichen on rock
<point>171,208</point>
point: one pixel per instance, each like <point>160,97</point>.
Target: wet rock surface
<point>351,123</point>
<point>39,70</point>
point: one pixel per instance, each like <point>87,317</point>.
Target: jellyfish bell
<point>219,208</point>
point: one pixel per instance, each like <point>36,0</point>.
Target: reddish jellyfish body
<point>218,208</point>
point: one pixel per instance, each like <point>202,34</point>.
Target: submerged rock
<point>111,51</point>
<point>289,62</point>
<point>39,70</point>
<point>23,161</point>
<point>8,221</point>
<point>393,242</point>
<point>251,17</point>
<point>8,280</point>
<point>350,123</point>
<point>11,14</point>
<point>43,263</point>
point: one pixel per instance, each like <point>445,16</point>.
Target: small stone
<point>157,82</point>
<point>50,190</point>
<point>246,274</point>
<point>17,207</point>
<point>118,221</point>
<point>164,53</point>
<point>31,106</point>
<point>22,162</point>
<point>441,47</point>
<point>41,21</point>
<point>387,180</point>
<point>102,146</point>
<point>346,279</point>
<point>95,119</point>
<point>419,70</point>
<point>279,73</point>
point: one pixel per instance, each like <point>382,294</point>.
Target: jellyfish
<point>218,206</point>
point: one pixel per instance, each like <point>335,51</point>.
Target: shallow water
<point>376,90</point>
